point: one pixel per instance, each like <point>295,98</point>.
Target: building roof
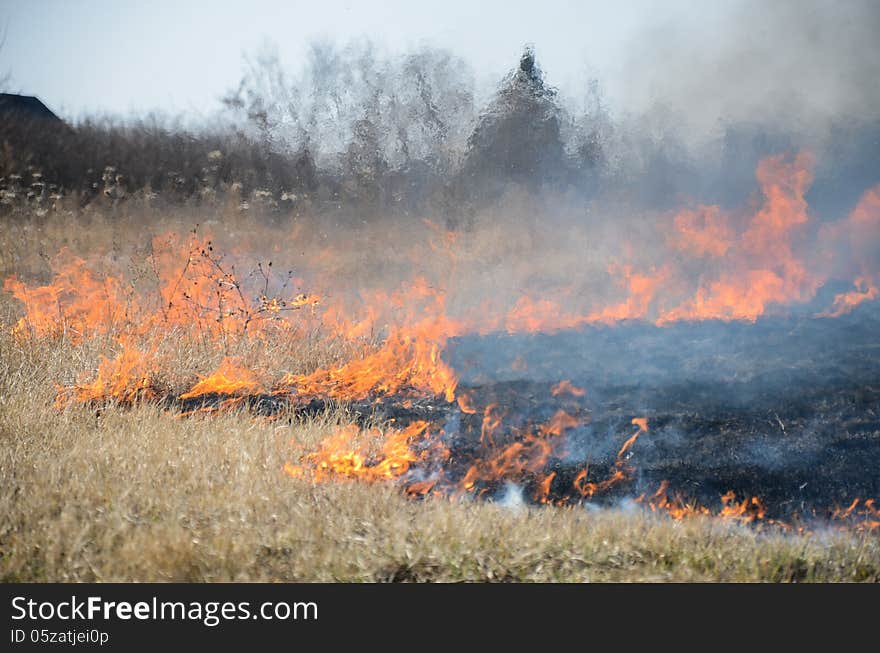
<point>25,106</point>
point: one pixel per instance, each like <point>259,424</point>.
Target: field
<point>135,489</point>
<point>381,313</point>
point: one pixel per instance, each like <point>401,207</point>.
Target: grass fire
<point>552,347</point>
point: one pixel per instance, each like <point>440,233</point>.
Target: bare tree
<point>5,77</point>
<point>415,109</point>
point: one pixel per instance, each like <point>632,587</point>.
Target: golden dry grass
<point>141,495</point>
<point>138,494</point>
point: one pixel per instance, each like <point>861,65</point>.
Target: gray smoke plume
<point>797,64</point>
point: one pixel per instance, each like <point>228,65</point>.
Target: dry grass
<point>142,494</point>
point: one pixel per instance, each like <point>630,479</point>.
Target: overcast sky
<point>87,56</point>
<point>122,55</point>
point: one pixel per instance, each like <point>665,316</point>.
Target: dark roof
<point>25,106</point>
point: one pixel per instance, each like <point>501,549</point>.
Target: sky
<point>766,60</point>
<point>96,56</point>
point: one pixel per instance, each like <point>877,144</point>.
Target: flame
<point>522,460</point>
<point>641,288</point>
<point>845,302</point>
<point>674,506</point>
<point>746,511</point>
<point>542,493</point>
<point>409,360</point>
<point>125,379</point>
<point>299,301</point>
<point>530,315</point>
<point>641,424</point>
<point>466,403</point>
<point>75,303</point>
<point>858,236</point>
<point>678,508</point>
<point>760,268</point>
<point>194,289</point>
<point>338,457</point>
<point>704,231</point>
<point>525,458</point>
<point>712,264</point>
<point>566,387</point>
<point>492,418</point>
<point>865,514</point>
<point>620,471</point>
<point>230,378</point>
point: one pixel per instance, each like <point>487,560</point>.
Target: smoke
<point>512,497</point>
<point>790,65</point>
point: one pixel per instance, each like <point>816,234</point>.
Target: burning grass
<point>136,495</point>
<point>174,407</point>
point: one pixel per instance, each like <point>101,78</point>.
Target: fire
<point>864,513</point>
<point>339,457</point>
<point>566,387</point>
<point>845,302</point>
<point>125,379</point>
<point>678,508</point>
<point>748,510</point>
<point>542,315</point>
<point>409,360</point>
<point>642,427</point>
<point>704,231</point>
<point>466,403</point>
<point>77,303</point>
<point>230,378</point>
<point>675,506</point>
<point>620,471</point>
<point>858,236</point>
<point>193,288</point>
<point>711,264</point>
<point>406,362</point>
<point>542,494</point>
<point>760,266</point>
<point>641,289</point>
<point>405,453</point>
<point>520,460</point>
<point>492,418</point>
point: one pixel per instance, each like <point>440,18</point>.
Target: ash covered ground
<point>787,408</point>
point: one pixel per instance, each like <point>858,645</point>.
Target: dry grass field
<point>117,492</point>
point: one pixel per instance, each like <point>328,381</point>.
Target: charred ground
<point>786,409</point>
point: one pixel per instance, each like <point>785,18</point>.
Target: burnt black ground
<point>787,408</point>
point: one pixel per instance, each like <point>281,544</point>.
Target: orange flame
<point>566,387</point>
<point>865,518</point>
<point>678,508</point>
<point>229,378</point>
<point>703,231</point>
<point>338,457</point>
<point>761,267</point>
<point>408,361</point>
<point>466,403</point>
<point>619,473</point>
<point>846,302</point>
<point>125,379</point>
<point>75,303</point>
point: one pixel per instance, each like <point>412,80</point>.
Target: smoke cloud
<point>792,65</point>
